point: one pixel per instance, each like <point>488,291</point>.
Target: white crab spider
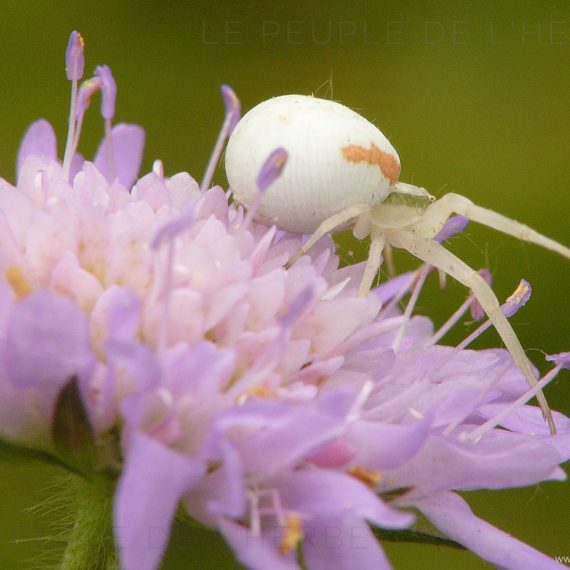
<point>341,169</point>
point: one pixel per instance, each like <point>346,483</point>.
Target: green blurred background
<point>474,96</point>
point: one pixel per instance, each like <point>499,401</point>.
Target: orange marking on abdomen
<point>389,166</point>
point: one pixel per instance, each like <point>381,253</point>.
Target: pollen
<point>256,392</point>
<point>369,477</point>
<point>280,161</point>
<point>261,392</point>
<point>388,164</point>
<point>293,534</point>
<point>17,281</point>
<point>519,293</point>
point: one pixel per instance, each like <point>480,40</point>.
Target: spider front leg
<point>329,225</point>
<point>433,253</point>
<point>437,213</point>
<point>377,244</point>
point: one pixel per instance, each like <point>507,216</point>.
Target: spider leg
<point>431,252</point>
<point>437,213</point>
<point>329,225</point>
<point>377,244</point>
<point>389,261</point>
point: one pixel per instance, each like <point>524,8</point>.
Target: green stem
<point>90,545</point>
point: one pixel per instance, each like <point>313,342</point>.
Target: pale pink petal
<point>310,492</point>
<point>386,446</point>
<point>39,140</point>
<point>255,552</point>
<point>47,342</point>
<point>345,543</point>
<point>451,514</point>
<point>153,481</point>
<point>128,145</point>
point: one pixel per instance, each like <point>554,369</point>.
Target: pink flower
<point>275,403</point>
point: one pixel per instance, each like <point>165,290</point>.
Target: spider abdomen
<point>336,158</point>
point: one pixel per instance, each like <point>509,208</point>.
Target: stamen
<point>293,534</point>
<point>477,312</point>
<point>356,408</point>
<point>74,62</point>
<point>277,505</point>
<point>39,183</point>
<point>74,58</point>
<point>453,425</point>
<point>290,521</point>
<point>108,103</point>
<point>517,300</point>
<point>275,509</point>
<point>335,290</point>
<point>233,111</point>
<point>453,226</point>
<point>167,292</point>
<point>451,322</point>
<point>255,517</point>
<point>474,335</point>
<point>402,292</point>
<point>158,168</point>
<point>87,89</point>
<point>273,351</point>
<point>168,233</point>
<point>370,477</point>
<point>424,272</point>
<point>108,91</point>
<point>272,168</point>
<point>17,281</point>
<point>233,106</point>
<point>479,432</point>
<point>297,307</point>
<point>270,171</point>
<point>261,391</point>
<point>562,359</point>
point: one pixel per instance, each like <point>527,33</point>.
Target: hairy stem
<point>90,545</point>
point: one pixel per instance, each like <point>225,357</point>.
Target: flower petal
<point>39,140</point>
<point>128,145</point>
<point>344,544</point>
<point>529,420</point>
<point>154,478</point>
<point>47,341</point>
<point>386,446</point>
<point>452,515</point>
<point>221,492</point>
<point>499,460</point>
<point>282,434</point>
<point>202,370</point>
<point>255,552</point>
<point>311,492</point>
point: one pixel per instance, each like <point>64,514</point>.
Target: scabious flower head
<point>275,404</point>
